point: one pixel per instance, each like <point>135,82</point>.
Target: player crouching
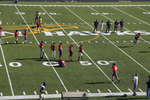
<point>62,63</point>
<point>137,36</point>
<point>42,91</point>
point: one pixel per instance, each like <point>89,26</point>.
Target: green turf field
<point>22,70</point>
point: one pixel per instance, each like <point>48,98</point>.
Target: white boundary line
<point>121,49</point>
<point>6,67</point>
<point>77,5</point>
<point>44,52</point>
<point>84,51</point>
<point>58,96</point>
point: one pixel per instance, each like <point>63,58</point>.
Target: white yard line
<point>148,42</point>
<point>84,51</point>
<point>111,41</point>
<point>44,52</point>
<point>142,66</point>
<point>77,5</point>
<point>143,9</point>
<point>132,16</point>
<point>6,67</point>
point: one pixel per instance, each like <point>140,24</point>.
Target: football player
<point>108,26</point>
<point>26,35</point>
<point>1,32</point>
<point>38,21</point>
<point>16,35</point>
<point>41,46</point>
<point>96,23</point>
<point>53,48</point>
<point>70,52</point>
<point>42,91</point>
<point>60,49</point>
<point>135,84</point>
<point>116,25</point>
<point>81,50</point>
<point>102,26</point>
<point>136,38</point>
<point>115,72</point>
<point>121,25</point>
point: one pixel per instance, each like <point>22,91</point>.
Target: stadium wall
<point>79,0</point>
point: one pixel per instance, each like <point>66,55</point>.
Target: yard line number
<point>55,63</point>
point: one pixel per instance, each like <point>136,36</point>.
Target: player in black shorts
<point>108,26</point>
<point>70,52</point>
<point>96,23</point>
<point>121,25</point>
<point>116,26</point>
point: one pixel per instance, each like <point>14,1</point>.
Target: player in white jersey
<point>42,91</point>
<point>102,26</point>
<point>135,82</point>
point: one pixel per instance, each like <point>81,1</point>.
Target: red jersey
<point>60,47</point>
<point>71,48</point>
<point>25,33</point>
<point>81,49</point>
<point>41,45</point>
<point>53,47</point>
<point>38,25</point>
<point>1,30</point>
<point>115,68</point>
<point>138,35</point>
<point>16,34</point>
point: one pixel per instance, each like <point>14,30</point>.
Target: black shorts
<point>115,74</point>
<point>136,38</point>
<point>60,53</point>
<point>70,53</point>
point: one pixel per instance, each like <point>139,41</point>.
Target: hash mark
<point>98,90</point>
<point>129,90</point>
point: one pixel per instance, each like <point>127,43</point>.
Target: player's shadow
<point>144,51</point>
<point>104,82</point>
<point>10,43</point>
<point>37,59</point>
<point>34,59</point>
<point>125,46</point>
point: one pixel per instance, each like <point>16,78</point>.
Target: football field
<point>22,70</point>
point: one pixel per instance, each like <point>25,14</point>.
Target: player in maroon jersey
<point>16,35</point>
<point>41,46</point>
<point>115,71</point>
<point>136,38</point>
<point>26,35</point>
<point>70,52</point>
<point>81,50</point>
<point>53,48</point>
<point>38,21</point>
<point>1,32</point>
<point>60,50</point>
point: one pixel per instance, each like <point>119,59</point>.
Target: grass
<point>75,76</point>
